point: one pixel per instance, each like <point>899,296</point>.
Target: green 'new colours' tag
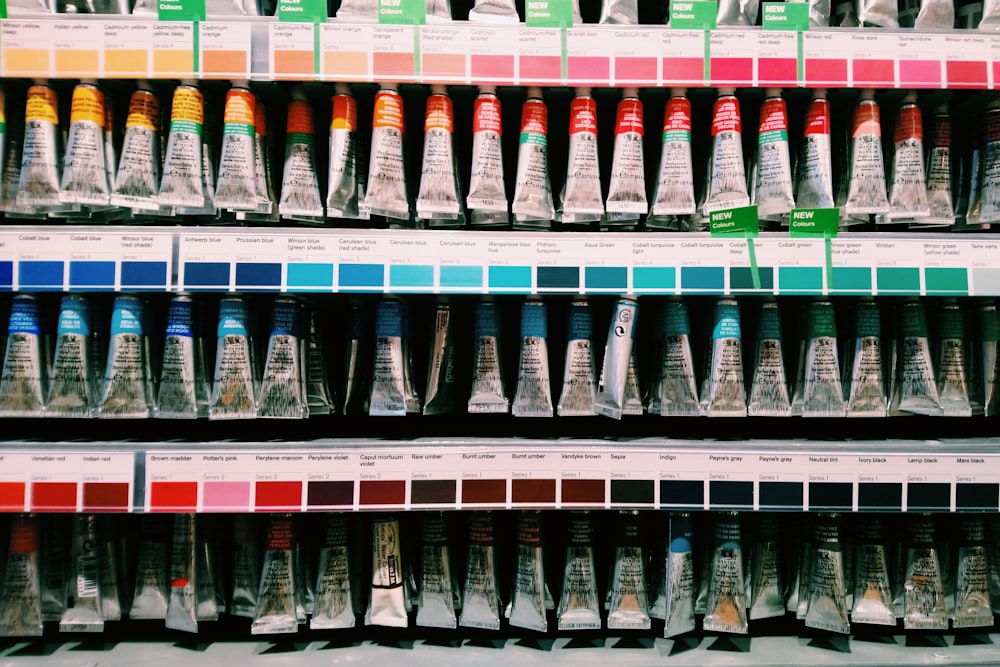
<point>548,13</point>
<point>301,11</point>
<point>742,221</point>
<point>405,12</point>
<point>814,222</point>
<point>786,16</point>
<point>693,15</point>
<point>181,10</point>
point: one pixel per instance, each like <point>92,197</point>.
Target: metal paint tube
<point>494,11</point>
<point>184,388</point>
<point>972,348</point>
<point>342,181</point>
<point>55,565</point>
<point>24,367</point>
<point>275,613</point>
<point>334,607</point>
<point>84,172</point>
<point>387,194</point>
<point>3,124</point>
<point>916,390</point>
<point>439,200</point>
<point>481,594</point>
<point>111,135</point>
<point>441,368</point>
<point>487,190</point>
<point>633,402</point>
<point>70,387</point>
<point>109,568</point>
<point>674,190</point>
<point>610,400</point>
<point>814,182</point>
<point>386,605</point>
<point>819,12</point>
<point>773,185</point>
<point>234,388</point>
<point>206,208</point>
<point>952,384</point>
<point>579,386</point>
<point>727,607</point>
<point>989,334</point>
<point>11,182</point>
<point>939,171</point>
<point>303,571</point>
<point>357,367</point>
<point>20,606</point>
<point>766,590</point>
<point>724,392</point>
<point>246,567</point>
<point>924,597</point>
<point>128,389</point>
<point>182,182</point>
<point>319,397</point>
<point>533,206</point>
<point>935,15</point>
<point>83,610</point>
<point>973,606</point>
<point>908,191</point>
<point>679,611</point>
<point>627,191</point>
<point>989,15</point>
<point>410,394</point>
<point>208,588</point>
<point>727,183</point>
<point>878,13</point>
<point>581,192</point>
<point>872,590</point>
<point>236,187</point>
<point>819,392</point>
<point>619,12</point>
<point>300,197</point>
<point>533,396</point>
<point>38,185</point>
<point>149,601</point>
<point>827,608</point>
<point>993,553</point>
<point>488,393</point>
<point>282,389</point>
<point>138,176</point>
<point>436,602</point>
<point>527,608</point>
<point>388,395</point>
<point>578,606</point>
<point>867,192</point>
<point>267,206</point>
<point>990,184</point>
<point>865,388</point>
<point>769,391</point>
<point>737,13</point>
<point>629,598</point>
<point>675,393</point>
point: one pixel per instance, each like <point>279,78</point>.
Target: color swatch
<point>484,491</point>
<point>533,491</point>
<point>583,491</point>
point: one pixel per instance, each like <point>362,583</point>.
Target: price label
<point>683,57</point>
<point>540,60</point>
<point>27,48</point>
<point>293,51</point>
<point>225,50</point>
<point>443,52</point>
<point>825,56</point>
<point>173,50</point>
<point>394,54</point>
<point>588,57</point>
<point>732,57</point>
<point>346,51</point>
<point>127,49</point>
<point>777,58</point>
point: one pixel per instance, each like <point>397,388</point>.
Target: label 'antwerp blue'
<point>581,326</point>
<point>179,318</point>
<point>127,317</point>
<point>74,316</point>
<point>232,317</point>
<point>389,319</point>
<point>486,320</point>
<point>24,316</point>
<point>675,319</point>
<point>533,320</point>
<point>286,319</point>
<point>727,321</point>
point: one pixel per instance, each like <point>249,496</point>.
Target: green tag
<point>302,11</point>
<point>406,12</point>
<point>814,222</point>
<point>181,10</point>
<point>786,16</point>
<point>694,15</point>
<point>741,221</point>
<point>3,9</point>
<point>549,13</point>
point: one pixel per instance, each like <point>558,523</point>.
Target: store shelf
<point>344,475</point>
<point>462,52</point>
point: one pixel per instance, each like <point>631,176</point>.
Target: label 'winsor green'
<point>741,220</point>
<point>694,15</point>
<point>548,13</point>
<point>814,222</point>
<point>406,12</point>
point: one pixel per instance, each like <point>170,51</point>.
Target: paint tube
<point>488,393</point>
<point>386,166</point>
<point>769,391</point>
<point>182,181</point>
<point>436,602</point>
<point>11,182</point>
<point>441,368</point>
<point>675,393</point>
<point>411,396</point>
<point>70,390</point>
<point>865,388</point>
<point>766,591</point>
<point>55,564</point>
<point>737,13</point>
<point>236,188</point>
<point>83,610</point>
<point>972,603</point>
<point>629,599</point>
<point>84,172</point>
<point>128,388</point>
<point>300,196</point>
<point>990,183</point>
<point>878,13</point>
<point>319,396</point>
<point>387,394</point>
<point>916,390</point>
<point>727,182</point>
<point>619,12</point>
<point>533,206</point>
<point>867,192</point>
<point>356,365</point>
<point>138,176</point>
<point>494,11</point>
<point>527,609</point>
<point>610,400</point>
<point>814,183</point>
<point>282,389</point>
<point>673,193</point>
<point>24,367</point>
<point>181,609</point>
<point>983,15</point>
<point>334,608</point>
<point>819,392</point>
<point>627,191</point>
<point>924,597</point>
<point>303,569</point>
<point>275,613</point>
<point>679,610</point>
<point>724,392</point>
<point>210,129</point>
<point>209,601</point>
<point>20,606</point>
<point>245,567</point>
<point>727,608</point>
<point>579,386</point>
<point>773,187</point>
<point>487,191</point>
<point>989,334</point>
<point>234,389</point>
<point>38,186</point>
<point>581,193</point>
<point>872,590</point>
<point>632,402</point>
<point>908,192</point>
<point>952,385</point>
<point>939,173</point>
<point>184,389</point>
<point>481,594</point>
<point>827,608</point>
<point>109,562</point>
<point>149,601</point>
<point>578,605</point>
<point>342,181</point>
<point>439,200</point>
<point>533,397</point>
<point>386,605</point>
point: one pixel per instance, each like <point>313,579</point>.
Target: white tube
<point>916,389</point>
<point>766,590</point>
<point>610,400</point>
<point>533,206</point>
<point>275,612</point>
<point>319,395</point>
<point>578,604</point>
<point>629,609</point>
<point>952,382</point>
<point>724,392</point>
<point>494,11</point>
<point>727,183</point>
<point>819,392</point>
<point>386,166</point>
<point>300,197</point>
<point>727,605</point>
<point>579,376</point>
<point>436,601</point>
<point>867,192</point>
<point>128,386</point>
<point>674,190</point>
<point>182,183</point>
<point>138,176</point>
<point>84,173</point>
<point>924,596</point>
<point>388,394</point>
<point>21,393</point>
<point>282,389</point>
<point>70,389</point>
<point>527,608</point>
<point>972,604</point>
<point>827,607</point>
<point>234,389</point>
<point>533,396</point>
<point>814,184</point>
<point>769,391</point>
<point>184,388</point>
<point>481,594</point>
<point>334,607</point>
<point>38,187</point>
<point>83,612</point>
<point>236,187</point>
<point>581,193</point>
<point>872,590</point>
<point>149,601</point>
<point>342,180</point>
<point>488,393</point>
<point>773,184</point>
<point>908,188</point>
<point>439,200</point>
<point>20,604</point>
<point>487,190</point>
<point>386,605</point>
<point>679,610</point>
<point>440,391</point>
<point>627,190</point>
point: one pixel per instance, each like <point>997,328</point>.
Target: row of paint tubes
<point>877,369</point>
<point>90,181</point>
<point>831,572</point>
